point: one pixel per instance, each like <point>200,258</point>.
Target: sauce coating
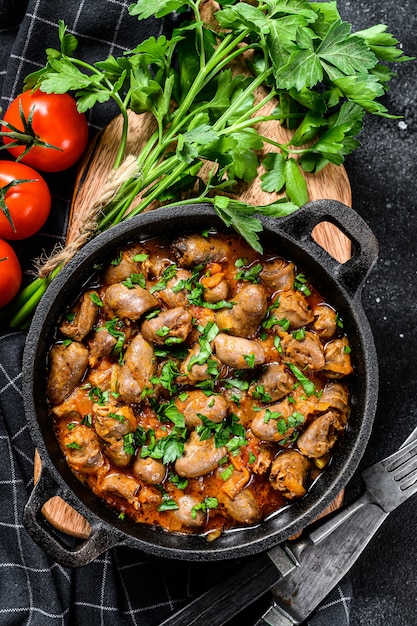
<point>197,386</point>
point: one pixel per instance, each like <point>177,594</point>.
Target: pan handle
<point>351,274</point>
<point>100,539</point>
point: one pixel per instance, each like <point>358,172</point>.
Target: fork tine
<point>407,476</point>
<point>403,466</point>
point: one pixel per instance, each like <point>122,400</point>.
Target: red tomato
<point>54,120</point>
<point>10,273</point>
<point>27,203</point>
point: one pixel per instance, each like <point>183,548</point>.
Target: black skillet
<point>291,238</point>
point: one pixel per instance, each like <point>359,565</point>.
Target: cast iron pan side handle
<point>99,541</point>
<point>351,274</point>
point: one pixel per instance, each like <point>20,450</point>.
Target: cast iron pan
<point>290,237</point>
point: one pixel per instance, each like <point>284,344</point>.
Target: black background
<point>383,178</point>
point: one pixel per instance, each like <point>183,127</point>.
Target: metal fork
<point>327,553</point>
<point>388,483</point>
<point>301,573</point>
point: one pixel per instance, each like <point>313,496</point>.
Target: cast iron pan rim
<point>158,542</point>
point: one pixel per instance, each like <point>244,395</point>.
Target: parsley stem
<point>222,121</point>
<point>165,183</point>
<point>29,298</point>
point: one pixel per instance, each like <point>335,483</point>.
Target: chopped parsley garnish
<point>169,373</point>
<point>169,410</point>
<point>209,332</point>
<point>74,445</point>
<point>168,273</point>
<point>292,422</point>
<point>284,323</point>
<point>168,449</point>
<point>163,331</point>
<point>95,298</point>
<point>277,344</point>
<point>98,396</point>
<point>114,327</point>
<point>227,472</point>
<point>129,443</point>
<point>135,279</point>
<point>305,382</point>
<point>250,359</point>
<point>178,481</point>
<point>118,417</point>
<point>271,415</point>
<point>167,504</point>
<point>87,420</point>
<point>259,393</point>
<point>299,333</point>
<point>139,258</point>
<point>251,274</point>
<point>117,260</point>
<point>208,503</point>
<point>229,432</point>
<point>300,284</point>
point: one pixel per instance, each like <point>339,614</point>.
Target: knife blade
<point>322,566</point>
<point>299,573</point>
<point>325,555</point>
<point>224,601</point>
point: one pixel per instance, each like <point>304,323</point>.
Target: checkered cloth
<point>123,586</point>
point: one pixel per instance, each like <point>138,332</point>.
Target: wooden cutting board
<point>96,166</point>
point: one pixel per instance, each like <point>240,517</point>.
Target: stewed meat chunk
<point>274,383</point>
<point>205,385</point>
<point>293,306</point>
<point>248,310</point>
<point>137,370</point>
<point>67,366</point>
<point>168,327</point>
<point>130,303</point>
<point>306,352</point>
<point>270,423</point>
<point>278,274</point>
<point>113,422</point>
<point>81,318</point>
<point>82,450</point>
<point>243,507</point>
<point>200,457</point>
<point>336,396</point>
<point>263,460</point>
<point>320,435</point>
<point>197,404</point>
<point>195,369</point>
<point>116,451</point>
<point>289,473</point>
<point>193,250</point>
<point>123,265</point>
<point>216,292</point>
<point>238,352</point>
<point>325,321</point>
<point>188,512</point>
<point>120,484</point>
<point>174,292</point>
<point>151,471</point>
<point>337,358</point>
<point>102,343</point>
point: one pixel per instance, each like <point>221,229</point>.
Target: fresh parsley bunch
<point>323,78</point>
